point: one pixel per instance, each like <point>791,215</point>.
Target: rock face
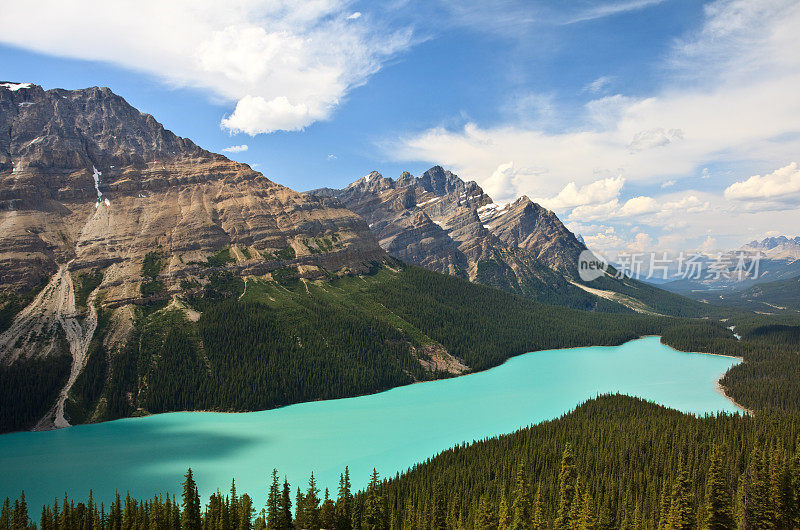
<point>444,224</point>
<point>87,179</point>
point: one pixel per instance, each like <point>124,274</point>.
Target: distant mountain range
<point>778,258</point>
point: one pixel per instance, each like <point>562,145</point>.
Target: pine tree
<point>539,520</point>
<point>285,508</point>
<point>245,515</point>
<point>756,513</point>
<point>681,515</point>
<point>503,515</point>
<point>344,502</point>
<point>307,506</point>
<point>19,515</point>
<point>327,513</point>
<point>273,514</point>
<point>374,513</point>
<point>718,497</point>
<point>485,517</point>
<point>5,515</point>
<point>439,512</point>
<point>522,506</point>
<point>190,518</point>
<point>586,518</point>
<point>566,486</point>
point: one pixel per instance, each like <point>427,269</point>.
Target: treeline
<point>614,462</point>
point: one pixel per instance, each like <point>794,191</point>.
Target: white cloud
<point>605,240</point>
<point>638,206</point>
<point>332,157</point>
<point>781,184</point>
<point>657,137</point>
<point>598,84</point>
<point>599,191</point>
<point>236,148</point>
<point>287,64</point>
<point>667,184</point>
<point>612,8</point>
<point>354,16</point>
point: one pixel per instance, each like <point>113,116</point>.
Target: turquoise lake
<point>390,431</point>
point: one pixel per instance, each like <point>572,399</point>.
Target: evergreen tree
<point>245,515</point>
<point>504,517</point>
<point>190,518</point>
<point>19,515</point>
<point>5,515</point>
<point>539,519</point>
<point>485,517</point>
<point>273,514</point>
<point>285,508</point>
<point>522,506</point>
<point>439,511</point>
<point>756,512</point>
<point>586,517</point>
<point>307,506</point>
<point>566,487</point>
<point>374,513</point>
<point>718,497</point>
<point>327,513</point>
<point>344,502</point>
<point>681,515</point>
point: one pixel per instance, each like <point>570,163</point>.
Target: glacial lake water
<point>390,431</point>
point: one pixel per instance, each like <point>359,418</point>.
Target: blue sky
<point>579,105</point>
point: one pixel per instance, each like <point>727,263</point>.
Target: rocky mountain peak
<point>441,222</point>
<point>440,182</point>
<point>88,179</point>
<point>75,129</point>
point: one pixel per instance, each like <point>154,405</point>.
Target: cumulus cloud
<point>781,185</point>
<point>599,191</point>
<point>645,209</point>
<point>286,64</point>
<point>236,148</point>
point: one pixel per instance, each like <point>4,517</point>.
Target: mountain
<point>143,274</point>
<point>777,297</point>
<point>86,179</point>
<point>778,258</point>
<point>776,248</point>
<point>444,224</point>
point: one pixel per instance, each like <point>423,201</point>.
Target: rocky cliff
<point>87,179</point>
<point>442,223</point>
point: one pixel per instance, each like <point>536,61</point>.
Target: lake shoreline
<point>718,383</point>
